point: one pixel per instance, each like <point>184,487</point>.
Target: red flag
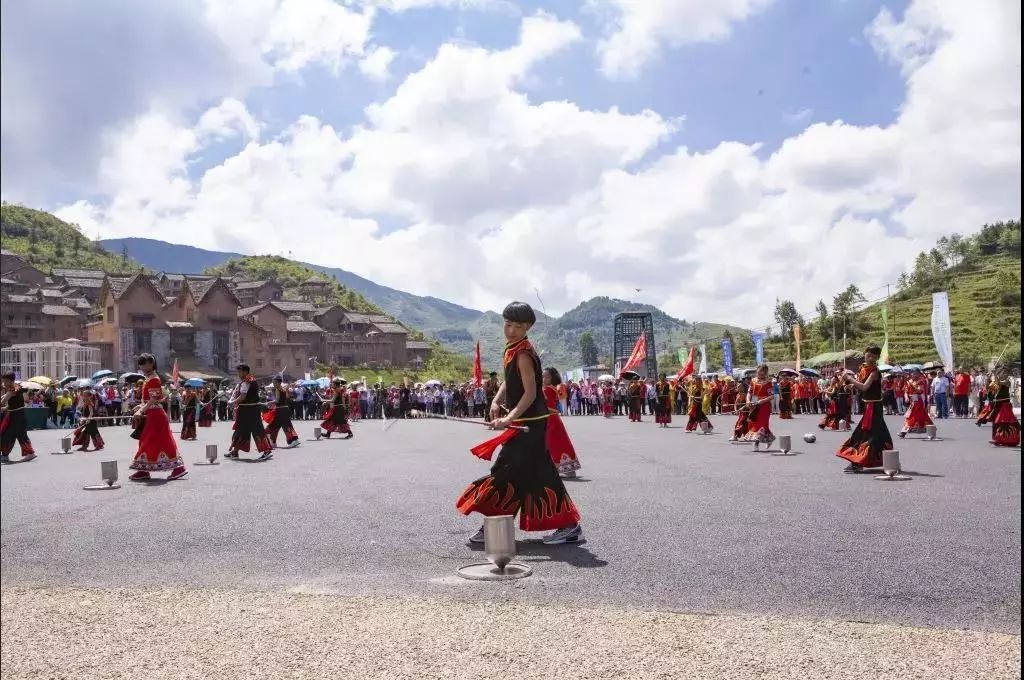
<point>638,354</point>
<point>478,371</point>
<point>174,373</point>
<point>687,369</point>
<point>330,375</point>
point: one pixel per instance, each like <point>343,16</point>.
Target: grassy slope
<point>56,243</point>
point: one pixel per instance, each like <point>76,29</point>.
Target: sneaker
<point>26,458</point>
<point>266,455</point>
<point>177,473</point>
<point>573,534</point>
<point>478,537</point>
<point>139,476</point>
<point>231,454</point>
<point>852,468</point>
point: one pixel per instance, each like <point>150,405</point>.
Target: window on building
<point>143,340</point>
<point>259,363</point>
<point>110,315</point>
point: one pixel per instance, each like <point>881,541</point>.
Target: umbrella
<point>811,372</point>
<point>66,379</point>
<point>323,382</point>
<point>110,380</point>
<point>310,383</point>
<point>102,373</point>
<point>131,377</point>
<point>933,365</point>
<point>83,382</point>
<point>29,385</point>
<point>629,375</point>
<point>605,378</point>
<point>195,382</point>
<point>911,367</point>
<point>788,371</point>
<point>431,383</point>
<point>884,368</point>
<point>42,380</point>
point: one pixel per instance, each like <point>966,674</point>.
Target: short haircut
<point>874,349</point>
<point>553,375</point>
<point>242,367</point>
<point>519,312</point>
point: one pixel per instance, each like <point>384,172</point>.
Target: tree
<point>1009,240</point>
<point>787,317</point>
<point>823,324</point>
<point>844,309</point>
<point>588,349</point>
<point>744,350</point>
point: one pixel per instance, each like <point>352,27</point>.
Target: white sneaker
<point>573,534</point>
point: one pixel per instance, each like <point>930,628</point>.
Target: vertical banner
<point>885,343</point>
<point>942,332</point>
<point>727,356</point>
<point>796,337</point>
<point>681,354</point>
<point>758,347</point>
<point>703,358</point>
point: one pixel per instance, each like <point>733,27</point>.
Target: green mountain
<point>47,242</point>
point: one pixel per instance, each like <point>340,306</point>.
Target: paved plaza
<point>779,550</point>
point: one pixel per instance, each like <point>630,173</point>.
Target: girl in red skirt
<point>560,447</point>
<point>697,416</point>
<point>917,415</point>
<point>742,414</point>
<point>1005,426</point>
<point>13,426</point>
<point>157,450</point>
<point>336,419</point>
<point>759,428</point>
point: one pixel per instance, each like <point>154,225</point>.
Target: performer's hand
<point>499,423</point>
<point>495,410</point>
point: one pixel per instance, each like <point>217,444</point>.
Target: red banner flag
<point>478,370</point>
<point>638,354</point>
<point>687,368</point>
<point>174,373</point>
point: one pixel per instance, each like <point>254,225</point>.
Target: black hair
<point>277,378</point>
<point>7,376</point>
<point>242,367</point>
<point>553,375</point>
<point>519,312</point>
<point>146,358</point>
<point>874,349</point>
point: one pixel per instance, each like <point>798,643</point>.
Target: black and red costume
<point>188,416</point>
<point>248,420</point>
<point>13,426</point>
<point>88,429</point>
<point>280,418</point>
<point>523,479</point>
<point>871,437</point>
<point>336,419</point>
<point>1005,426</point>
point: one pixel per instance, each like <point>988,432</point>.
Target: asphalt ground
<point>674,522</point>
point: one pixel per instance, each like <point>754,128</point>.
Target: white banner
<point>703,359</point>
<point>942,332</point>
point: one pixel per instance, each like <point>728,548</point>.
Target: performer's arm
<point>863,386</point>
<point>498,398</point>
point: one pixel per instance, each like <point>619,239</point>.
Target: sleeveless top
<point>514,388</point>
<point>16,400</point>
<point>252,394</point>
<point>873,393</point>
<point>282,397</point>
<point>761,390</point>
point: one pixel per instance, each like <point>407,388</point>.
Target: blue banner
<point>727,356</point>
<point>759,347</point>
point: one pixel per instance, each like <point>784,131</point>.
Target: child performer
<point>785,397</point>
<point>917,414</point>
<point>636,399</point>
<point>88,428</point>
<point>560,447</point>
<point>864,447</point>
<point>205,416</point>
<point>189,400</point>
<point>663,405</point>
<point>248,420</point>
<point>1005,426</point>
<point>742,414</point>
<point>759,428</point>
<point>607,399</point>
<point>13,427</point>
<point>157,450</point>
<point>523,479</point>
<point>281,416</point>
<point>336,419</point>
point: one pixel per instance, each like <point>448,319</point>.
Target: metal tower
<point>629,326</point>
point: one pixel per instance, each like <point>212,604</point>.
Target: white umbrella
<point>431,383</point>
<point>605,378</point>
<point>29,385</point>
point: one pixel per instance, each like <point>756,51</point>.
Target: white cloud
<point>636,31</point>
<point>581,202</point>
<point>227,119</point>
<point>375,65</point>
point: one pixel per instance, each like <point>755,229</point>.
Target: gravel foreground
<point>182,634</point>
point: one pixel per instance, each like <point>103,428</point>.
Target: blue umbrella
<point>83,382</point>
<point>195,382</point>
<point>66,379</point>
<point>101,374</point>
<point>323,382</point>
<point>310,383</point>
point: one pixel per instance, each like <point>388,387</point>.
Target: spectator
<point>940,393</point>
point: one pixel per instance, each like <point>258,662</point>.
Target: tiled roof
<point>51,293</point>
<point>303,327</point>
<point>417,344</point>
<point>246,322</point>
<point>58,310</point>
<point>250,285</point>
<point>246,311</point>
<point>80,273</point>
<point>293,306</point>
<point>118,284</point>
<point>79,302</point>
<point>320,311</point>
<point>381,318</point>
<point>356,317</point>
<point>9,282</point>
<point>21,298</point>
<point>83,283</point>
<point>390,328</point>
